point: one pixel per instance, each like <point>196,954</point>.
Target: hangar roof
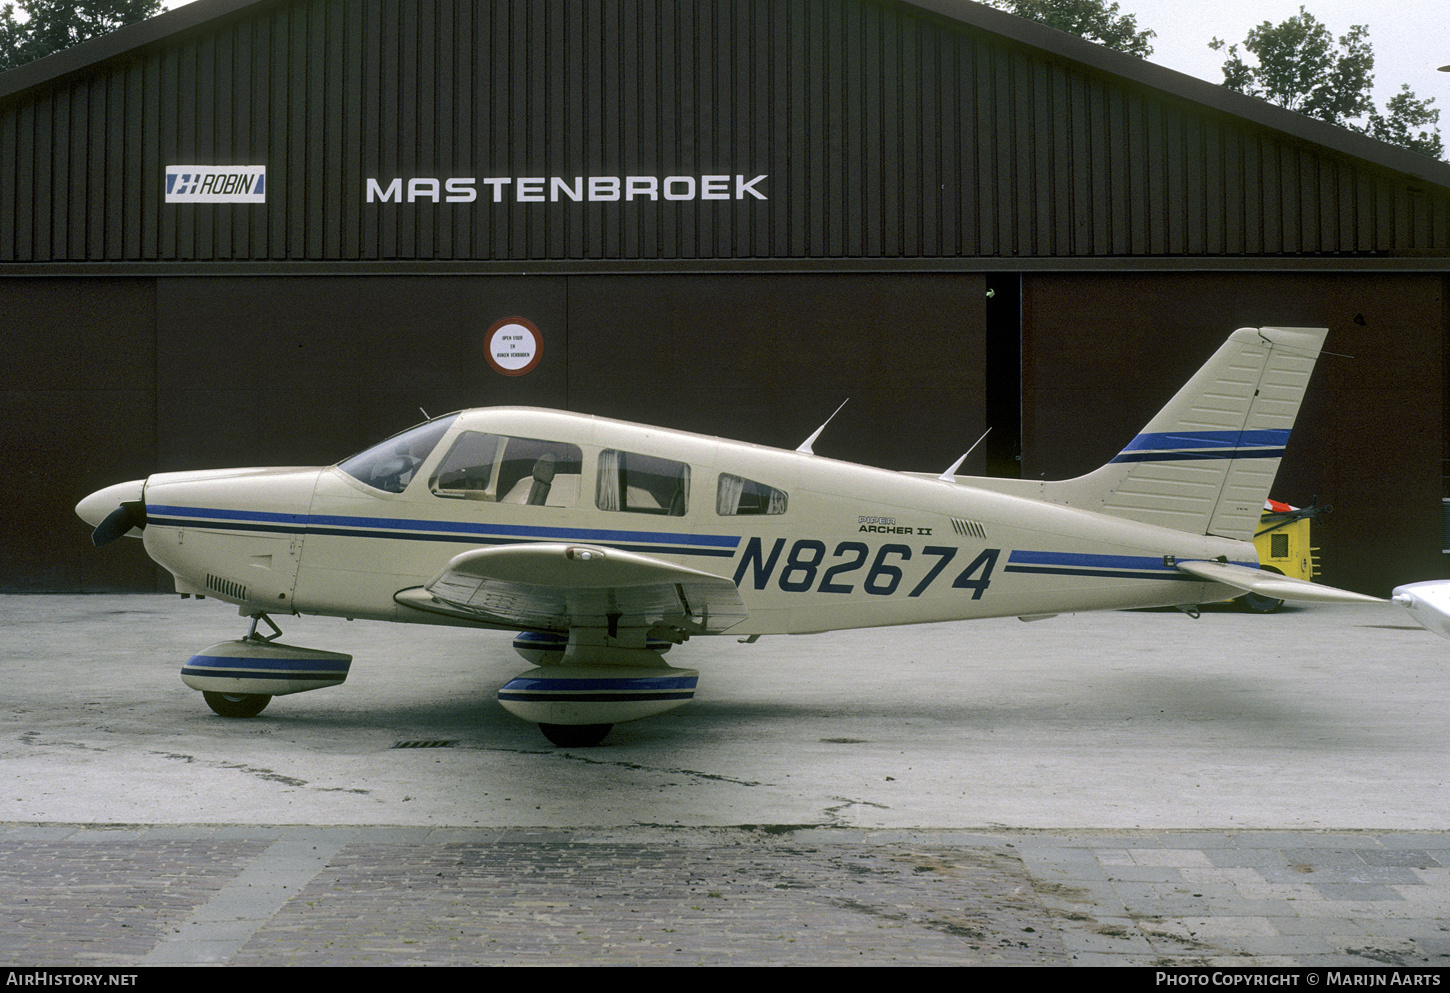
<point>917,134</point>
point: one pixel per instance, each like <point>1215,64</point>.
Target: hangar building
<point>271,231</point>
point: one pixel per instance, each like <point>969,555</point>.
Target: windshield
<point>390,465</point>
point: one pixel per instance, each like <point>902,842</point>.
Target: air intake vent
<point>969,529</point>
<point>226,587</point>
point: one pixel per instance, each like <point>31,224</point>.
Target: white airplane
<point>606,542</point>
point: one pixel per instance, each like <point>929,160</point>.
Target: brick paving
<point>527,903</point>
<point>107,896</point>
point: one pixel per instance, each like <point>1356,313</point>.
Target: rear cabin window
<point>642,484</point>
<point>502,469</point>
<point>738,495</point>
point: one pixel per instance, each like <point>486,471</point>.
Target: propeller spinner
<point>131,514</point>
<point>114,511</point>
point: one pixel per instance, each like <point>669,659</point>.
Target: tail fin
<point>1206,462</point>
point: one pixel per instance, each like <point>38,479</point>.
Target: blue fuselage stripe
<point>1089,564</point>
<point>409,529</point>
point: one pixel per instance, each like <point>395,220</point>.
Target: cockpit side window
<point>500,469</point>
<point>737,495</point>
<point>390,465</point>
<point>642,484</point>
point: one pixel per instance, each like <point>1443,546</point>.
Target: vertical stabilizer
<point>1206,462</point>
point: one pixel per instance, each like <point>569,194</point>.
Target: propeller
<point>119,522</point>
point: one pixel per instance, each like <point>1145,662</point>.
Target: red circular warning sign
<point>513,346</point>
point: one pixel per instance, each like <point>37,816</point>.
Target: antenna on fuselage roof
<point>805,446</point>
<point>947,477</point>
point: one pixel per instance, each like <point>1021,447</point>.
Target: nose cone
<point>94,508</point>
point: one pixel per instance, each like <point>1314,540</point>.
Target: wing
<point>1272,584</point>
<point>555,587</point>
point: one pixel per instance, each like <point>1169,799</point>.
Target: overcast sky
<point>1411,38</point>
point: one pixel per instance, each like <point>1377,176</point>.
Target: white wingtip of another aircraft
<point>1428,603</point>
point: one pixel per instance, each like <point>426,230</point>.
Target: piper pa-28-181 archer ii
<point>606,543</point>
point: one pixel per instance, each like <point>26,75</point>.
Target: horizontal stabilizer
<point>1271,584</point>
<point>556,587</point>
<point>1428,603</point>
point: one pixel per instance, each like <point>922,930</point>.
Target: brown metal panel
<point>1215,189</point>
<point>346,239</point>
<point>325,34</point>
<point>1078,182</point>
<point>916,403</point>
<point>243,142</point>
<point>77,414</point>
<point>1139,166</point>
<point>72,145</point>
<point>224,145</point>
<point>59,179</point>
<point>1014,133</point>
<point>127,177</point>
<point>1159,130</point>
<point>351,358</point>
<point>9,188</point>
<point>174,145</point>
<point>1189,195</point>
<point>1048,236</point>
<point>864,170</point>
<point>37,242</point>
<point>938,159</point>
<point>203,124</point>
<point>985,206</point>
<point>1117,186</point>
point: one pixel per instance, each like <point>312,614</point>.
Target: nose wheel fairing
<point>238,678</point>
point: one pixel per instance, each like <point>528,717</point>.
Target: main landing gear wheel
<point>574,735</point>
<point>236,704</point>
<point>1257,603</point>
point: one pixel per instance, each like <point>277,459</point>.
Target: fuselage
<point>813,544</point>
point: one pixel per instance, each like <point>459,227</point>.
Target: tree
<point>1298,64</point>
<point>51,25</point>
<point>1410,124</point>
<point>1095,20</point>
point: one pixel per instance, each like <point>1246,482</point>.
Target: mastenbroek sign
<point>553,189</point>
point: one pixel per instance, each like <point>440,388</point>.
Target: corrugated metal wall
<point>883,133</point>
